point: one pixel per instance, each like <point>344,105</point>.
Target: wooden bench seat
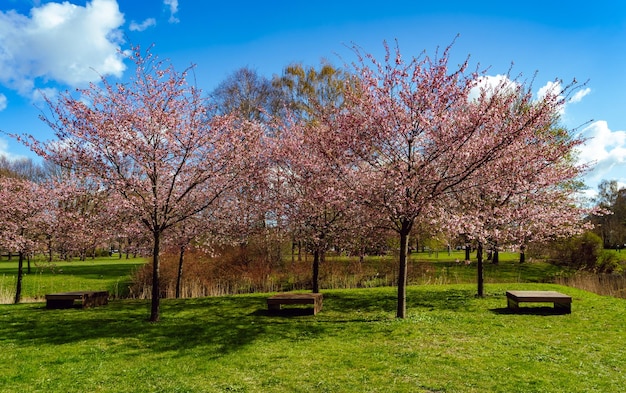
<point>560,301</point>
<point>87,299</point>
<point>274,302</point>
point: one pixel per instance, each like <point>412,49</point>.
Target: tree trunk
<point>495,259</point>
<point>361,253</point>
<point>20,267</point>
<point>316,270</point>
<point>28,264</point>
<point>522,254</point>
<point>179,276</point>
<point>154,310</point>
<point>481,278</point>
<point>402,269</point>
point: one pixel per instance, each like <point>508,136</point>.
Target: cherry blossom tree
<point>151,142</point>
<point>22,204</point>
<point>310,197</point>
<point>514,214</point>
<point>528,191</point>
<point>420,137</point>
<point>84,218</point>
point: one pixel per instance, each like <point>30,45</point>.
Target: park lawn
<point>102,273</point>
<point>114,274</point>
<point>448,268</point>
<point>451,341</point>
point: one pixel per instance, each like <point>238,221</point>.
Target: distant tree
<point>84,218</point>
<point>619,210</point>
<point>152,143</point>
<point>248,94</point>
<point>611,226</point>
<point>307,90</point>
<point>24,168</point>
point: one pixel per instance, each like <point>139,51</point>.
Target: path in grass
<point>450,342</point>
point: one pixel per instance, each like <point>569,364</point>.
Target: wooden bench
<point>560,301</point>
<point>87,298</point>
<point>274,302</point>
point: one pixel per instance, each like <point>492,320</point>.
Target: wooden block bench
<point>560,301</point>
<point>274,302</point>
<point>87,298</point>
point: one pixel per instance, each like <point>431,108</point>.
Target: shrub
<point>234,270</point>
<point>583,252</point>
<point>609,262</point>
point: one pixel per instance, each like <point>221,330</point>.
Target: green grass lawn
<point>113,274</point>
<point>103,273</point>
<point>508,270</point>
<point>451,341</point>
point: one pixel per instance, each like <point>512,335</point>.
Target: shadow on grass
<point>220,325</point>
<point>216,325</point>
<point>286,312</point>
<point>540,310</point>
<point>387,300</point>
<point>110,270</point>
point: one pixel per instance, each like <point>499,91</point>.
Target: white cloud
<point>490,84</point>
<point>605,150</point>
<point>4,150</point>
<point>555,88</point>
<point>40,95</point>
<point>552,88</point>
<point>3,102</point>
<point>134,26</point>
<point>173,5</point>
<point>580,94</point>
<point>60,42</point>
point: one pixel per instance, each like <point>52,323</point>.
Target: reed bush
<point>238,270</point>
<point>601,284</point>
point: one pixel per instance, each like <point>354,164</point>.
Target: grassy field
<point>103,273</point>
<point>450,342</point>
<point>113,274</point>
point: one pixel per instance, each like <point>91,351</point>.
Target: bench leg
<point>563,307</point>
<point>512,304</point>
<point>273,307</point>
<point>317,306</point>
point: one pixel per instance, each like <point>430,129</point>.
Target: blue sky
<point>51,46</point>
